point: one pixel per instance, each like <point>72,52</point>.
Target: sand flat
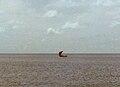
<point>53,71</point>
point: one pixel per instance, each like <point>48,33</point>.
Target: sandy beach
<point>53,71</point>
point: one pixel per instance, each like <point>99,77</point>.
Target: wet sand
<point>52,71</point>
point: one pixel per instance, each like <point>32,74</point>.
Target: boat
<point>61,54</point>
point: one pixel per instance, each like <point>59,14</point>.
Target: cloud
<point>104,3</point>
<point>15,27</point>
<point>52,31</point>
<point>51,13</point>
<point>12,6</point>
<point>42,40</point>
<point>1,12</point>
<point>70,25</point>
<point>114,24</point>
<point>48,18</point>
<point>15,21</point>
<point>64,4</point>
<point>2,29</point>
<point>68,3</point>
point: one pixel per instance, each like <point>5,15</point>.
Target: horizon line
<point>73,53</point>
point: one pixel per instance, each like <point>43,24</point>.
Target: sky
<point>48,26</point>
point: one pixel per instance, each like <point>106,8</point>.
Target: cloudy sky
<point>83,26</point>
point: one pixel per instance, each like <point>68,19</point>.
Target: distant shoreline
<point>57,53</point>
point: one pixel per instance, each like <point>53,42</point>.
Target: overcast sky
<point>83,26</point>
